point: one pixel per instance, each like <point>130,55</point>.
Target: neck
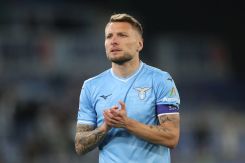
<point>126,69</point>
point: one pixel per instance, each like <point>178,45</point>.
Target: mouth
<point>115,50</point>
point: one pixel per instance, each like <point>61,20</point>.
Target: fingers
<point>114,111</point>
<point>111,116</point>
<point>114,108</point>
<point>111,120</point>
<point>114,116</point>
<point>123,106</point>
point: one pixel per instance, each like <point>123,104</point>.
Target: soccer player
<point>131,111</point>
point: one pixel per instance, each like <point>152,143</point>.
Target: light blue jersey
<point>147,93</point>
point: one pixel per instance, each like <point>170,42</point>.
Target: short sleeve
<point>86,112</point>
<point>167,96</point>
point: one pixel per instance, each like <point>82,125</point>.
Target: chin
<point>120,61</point>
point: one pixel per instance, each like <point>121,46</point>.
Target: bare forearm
<point>166,133</point>
<point>158,134</point>
<point>86,141</point>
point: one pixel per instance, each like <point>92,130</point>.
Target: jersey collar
<point>129,77</point>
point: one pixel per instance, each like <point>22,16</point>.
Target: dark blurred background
<point>48,48</point>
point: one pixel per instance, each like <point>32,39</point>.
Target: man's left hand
<point>115,117</point>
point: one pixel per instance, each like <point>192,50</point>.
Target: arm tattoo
<point>163,120</point>
<point>159,128</point>
<point>87,138</point>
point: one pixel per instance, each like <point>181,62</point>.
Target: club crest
<point>142,92</point>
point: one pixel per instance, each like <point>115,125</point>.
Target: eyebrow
<point>117,33</point>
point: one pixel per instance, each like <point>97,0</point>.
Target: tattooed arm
<point>168,130</point>
<point>88,137</point>
<point>166,133</point>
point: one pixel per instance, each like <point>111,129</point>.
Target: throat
<point>125,71</point>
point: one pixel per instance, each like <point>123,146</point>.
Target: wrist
<point>128,123</point>
<point>104,127</point>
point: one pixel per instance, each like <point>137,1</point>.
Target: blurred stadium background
<point>48,48</point>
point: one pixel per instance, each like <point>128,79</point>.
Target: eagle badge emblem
<point>142,92</point>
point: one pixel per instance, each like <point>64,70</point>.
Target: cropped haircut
<point>129,19</point>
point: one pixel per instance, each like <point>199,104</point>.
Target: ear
<point>140,47</point>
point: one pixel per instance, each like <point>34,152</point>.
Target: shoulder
<point>156,72</point>
<point>98,78</point>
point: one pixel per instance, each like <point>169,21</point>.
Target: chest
<point>139,98</point>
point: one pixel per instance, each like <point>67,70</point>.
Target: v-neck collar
<point>129,77</point>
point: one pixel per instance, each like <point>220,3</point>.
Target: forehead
<point>118,27</point>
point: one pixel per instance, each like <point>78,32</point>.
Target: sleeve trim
<point>85,122</point>
<point>167,114</point>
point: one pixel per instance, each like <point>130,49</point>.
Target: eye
<point>108,36</point>
<point>122,35</point>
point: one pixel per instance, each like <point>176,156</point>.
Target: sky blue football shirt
<point>148,93</point>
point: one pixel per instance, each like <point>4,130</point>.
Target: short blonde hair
<point>129,19</point>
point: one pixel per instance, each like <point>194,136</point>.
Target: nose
<point>114,40</point>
